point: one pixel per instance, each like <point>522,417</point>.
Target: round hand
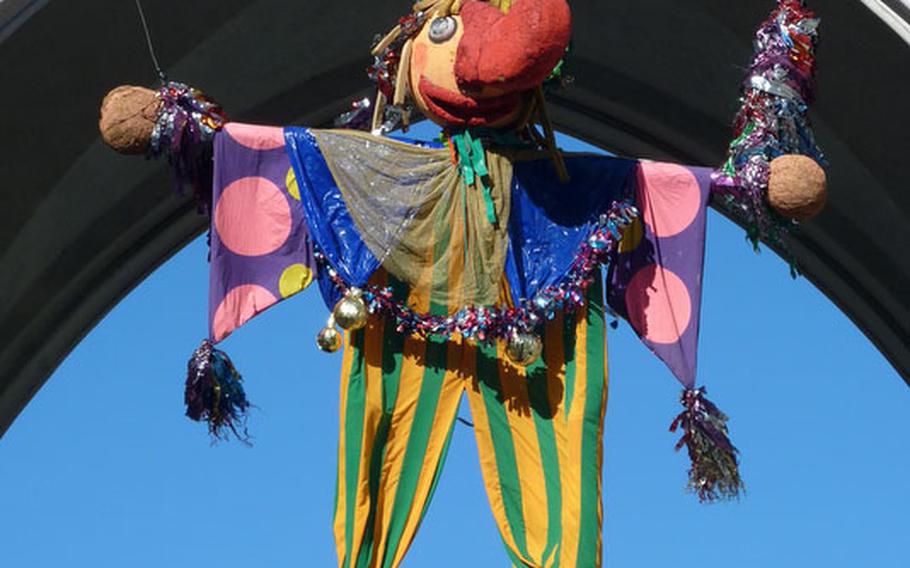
<point>797,187</point>
<point>128,115</point>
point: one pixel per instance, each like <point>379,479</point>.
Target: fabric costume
<point>477,268</point>
<point>391,213</point>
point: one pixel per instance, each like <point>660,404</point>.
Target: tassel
<point>714,474</point>
<point>214,393</point>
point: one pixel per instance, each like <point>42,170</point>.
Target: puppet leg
<point>539,435</point>
<point>399,397</point>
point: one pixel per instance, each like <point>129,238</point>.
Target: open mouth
<point>461,110</point>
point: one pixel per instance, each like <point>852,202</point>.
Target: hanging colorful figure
<point>474,266</point>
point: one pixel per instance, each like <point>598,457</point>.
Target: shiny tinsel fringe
<point>214,393</point>
<point>714,472</point>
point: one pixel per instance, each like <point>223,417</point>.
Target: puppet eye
<point>442,29</point>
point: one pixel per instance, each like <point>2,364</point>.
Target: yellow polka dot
<point>290,181</point>
<point>295,278</point>
<point>631,237</point>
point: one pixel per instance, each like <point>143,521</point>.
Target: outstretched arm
<point>177,120</point>
<point>772,178</point>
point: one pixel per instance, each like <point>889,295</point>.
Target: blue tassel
<point>214,393</point>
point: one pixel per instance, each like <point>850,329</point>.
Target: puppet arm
<point>773,178</point>
<point>260,249</point>
<point>177,120</point>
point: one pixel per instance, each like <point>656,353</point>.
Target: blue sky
<point>102,470</point>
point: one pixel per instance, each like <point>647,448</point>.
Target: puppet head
<point>472,63</point>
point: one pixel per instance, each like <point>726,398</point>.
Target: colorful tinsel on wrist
<point>488,323</point>
<point>772,120</point>
<point>186,123</point>
<point>214,393</point>
<point>714,472</point>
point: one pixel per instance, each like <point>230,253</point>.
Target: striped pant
<point>539,435</point>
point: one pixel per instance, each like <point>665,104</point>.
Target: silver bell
<point>524,348</point>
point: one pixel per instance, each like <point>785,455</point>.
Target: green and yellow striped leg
<point>398,404</point>
<point>539,435</point>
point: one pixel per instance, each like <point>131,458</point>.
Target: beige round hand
<point>797,187</point>
<point>127,117</point>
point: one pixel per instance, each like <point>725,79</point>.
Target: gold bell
<point>329,340</point>
<point>351,311</point>
<point>524,348</point>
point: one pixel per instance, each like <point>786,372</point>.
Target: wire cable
<point>148,40</point>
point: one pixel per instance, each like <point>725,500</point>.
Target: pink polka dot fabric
<point>252,216</point>
<point>656,283</point>
<point>238,306</point>
<point>659,304</point>
<point>255,137</point>
<point>669,196</point>
<point>258,230</point>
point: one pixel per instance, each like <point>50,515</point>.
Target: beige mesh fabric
<point>418,218</point>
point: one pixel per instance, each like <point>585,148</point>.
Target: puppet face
<point>435,86</point>
<point>479,68</point>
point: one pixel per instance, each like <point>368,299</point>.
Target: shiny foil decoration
<point>384,69</point>
<point>358,117</point>
<point>714,472</point>
<point>772,119</point>
<point>487,324</point>
<point>214,393</point>
<point>187,121</point>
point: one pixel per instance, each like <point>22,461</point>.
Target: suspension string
<point>148,40</point>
